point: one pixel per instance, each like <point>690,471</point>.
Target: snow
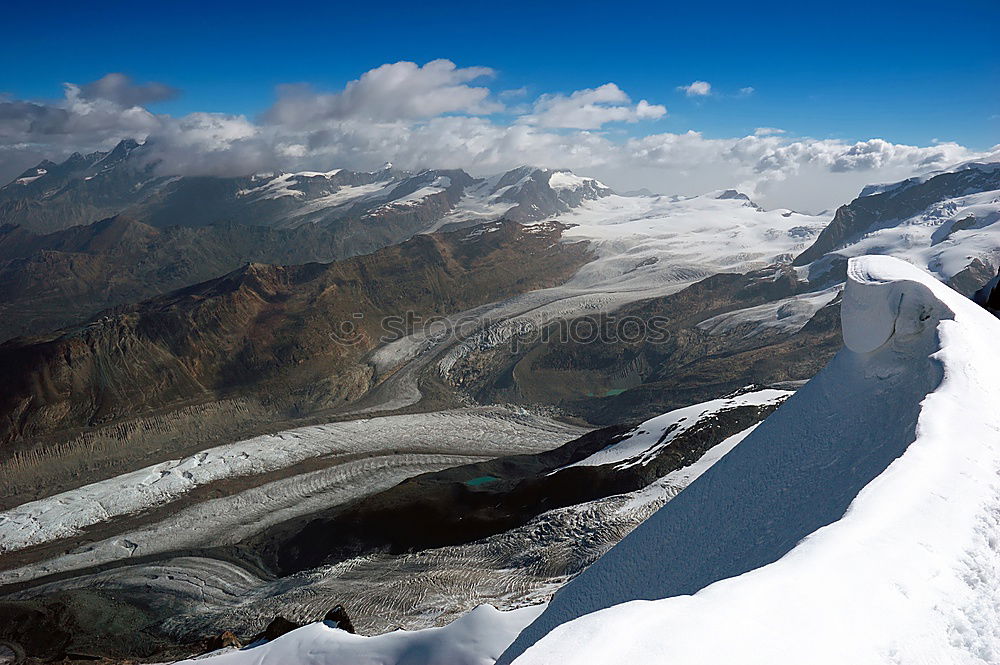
<point>945,237</point>
<point>281,185</point>
<point>930,240</point>
<point>483,200</point>
<point>642,444</point>
<point>567,180</point>
<point>855,525</point>
<point>474,639</point>
<point>786,316</point>
<point>478,203</point>
<point>415,197</point>
<point>278,187</point>
<point>318,174</point>
<point>647,242</point>
<point>27,180</point>
<point>345,195</point>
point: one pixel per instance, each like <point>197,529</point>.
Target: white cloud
<point>779,171</point>
<point>696,89</point>
<point>397,91</point>
<point>430,116</point>
<point>747,91</point>
<point>590,109</point>
<point>211,143</point>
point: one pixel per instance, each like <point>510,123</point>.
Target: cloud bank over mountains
<point>444,116</point>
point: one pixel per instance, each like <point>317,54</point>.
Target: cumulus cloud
<point>439,116</point>
<point>697,89</point>
<point>121,90</point>
<point>73,120</point>
<point>747,91</point>
<point>397,91</point>
<point>590,109</point>
<point>210,144</point>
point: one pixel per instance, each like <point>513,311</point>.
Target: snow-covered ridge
<point>569,180</point>
<point>642,444</point>
<point>942,222</point>
<point>855,525</point>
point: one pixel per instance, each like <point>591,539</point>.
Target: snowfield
<point>648,242</point>
<point>855,525</point>
<point>475,639</point>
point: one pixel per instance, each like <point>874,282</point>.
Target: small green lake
<point>610,393</point>
<point>481,480</point>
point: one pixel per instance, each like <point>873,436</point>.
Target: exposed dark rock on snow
<point>221,641</point>
<point>338,615</point>
<point>277,627</point>
<point>970,280</point>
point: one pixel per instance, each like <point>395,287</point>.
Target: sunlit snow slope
<point>855,525</point>
<point>646,243</point>
<point>474,639</point>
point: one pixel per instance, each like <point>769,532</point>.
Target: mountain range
<point>367,210</point>
<point>426,384</point>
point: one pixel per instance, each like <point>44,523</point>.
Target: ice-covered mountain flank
<point>853,525</point>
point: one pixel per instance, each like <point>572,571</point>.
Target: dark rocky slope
<point>264,330</point>
<point>50,281</point>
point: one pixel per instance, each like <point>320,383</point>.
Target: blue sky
<point>908,72</point>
